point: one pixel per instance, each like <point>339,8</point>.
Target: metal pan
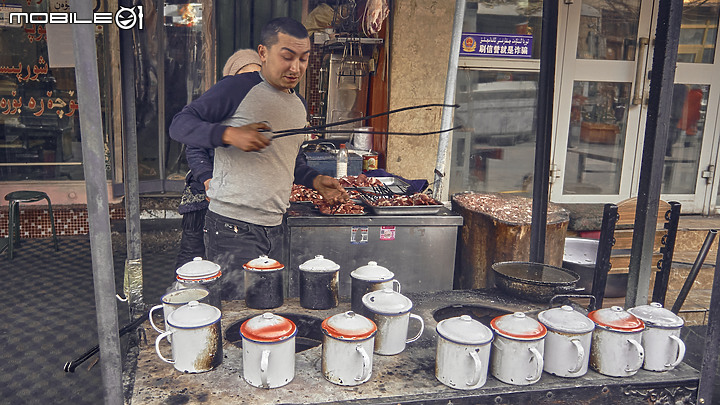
<point>536,282</point>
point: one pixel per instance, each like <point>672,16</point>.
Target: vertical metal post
<point>133,287</point>
<point>447,112</point>
<point>162,136</point>
<point>93,151</point>
<point>543,140</point>
<point>712,342</point>
<point>602,259</point>
<point>662,279</point>
<point>667,37</point>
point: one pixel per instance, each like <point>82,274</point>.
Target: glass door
<point>603,90</point>
<point>602,64</point>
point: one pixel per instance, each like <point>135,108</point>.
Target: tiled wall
<point>35,220</point>
<point>313,78</point>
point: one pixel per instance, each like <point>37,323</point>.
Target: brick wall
<point>35,220</point>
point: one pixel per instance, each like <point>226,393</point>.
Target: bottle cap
<point>342,145</point>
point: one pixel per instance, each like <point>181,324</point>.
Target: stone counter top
<point>407,377</point>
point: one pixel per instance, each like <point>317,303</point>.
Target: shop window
<point>39,121</point>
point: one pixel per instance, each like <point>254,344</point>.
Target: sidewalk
<point>49,319</point>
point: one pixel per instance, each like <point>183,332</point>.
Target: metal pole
<point>712,342</point>
<point>93,151</point>
<point>667,37</point>
<point>694,271</point>
<point>543,142</point>
<point>447,112</point>
<point>602,259</point>
<point>133,286</point>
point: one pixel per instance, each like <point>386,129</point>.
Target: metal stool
<point>15,198</point>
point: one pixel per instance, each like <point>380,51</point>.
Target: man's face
<point>285,62</point>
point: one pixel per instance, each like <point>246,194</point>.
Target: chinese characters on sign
<point>496,45</point>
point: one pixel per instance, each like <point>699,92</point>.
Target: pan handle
<point>591,305</point>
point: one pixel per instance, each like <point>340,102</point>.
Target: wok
<point>536,282</point>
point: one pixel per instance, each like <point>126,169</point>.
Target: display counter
<point>408,377</point>
<point>419,249</point>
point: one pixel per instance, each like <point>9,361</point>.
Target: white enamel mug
<point>197,338</point>
<point>517,351</point>
<point>567,344</point>
<point>390,311</point>
<point>174,300</point>
<point>463,353</point>
<point>348,341</point>
<point>664,349</point>
<point>616,349</point>
<point>268,343</point>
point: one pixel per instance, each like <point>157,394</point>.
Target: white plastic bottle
<point>342,162</point>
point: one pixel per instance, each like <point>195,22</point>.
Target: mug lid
<point>655,315</point>
<point>387,302</point>
<point>263,263</point>
<point>518,326</point>
<point>464,330</point>
<point>372,272</point>
<point>616,318</point>
<point>198,268</point>
<point>320,264</point>
<point>268,327</point>
<point>566,319</point>
<point>193,315</point>
<point>349,326</point>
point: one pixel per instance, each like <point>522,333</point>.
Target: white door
<point>603,70</point>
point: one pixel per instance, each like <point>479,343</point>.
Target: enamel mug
<point>369,278</point>
<point>664,349</point>
<point>616,349</point>
<point>196,338</point>
<point>567,344</point>
<point>263,279</point>
<point>174,300</point>
<point>517,351</point>
<point>268,343</point>
<point>391,313</point>
<point>348,341</point>
<point>204,274</point>
<point>462,357</point>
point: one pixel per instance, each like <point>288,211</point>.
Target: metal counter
<point>419,249</point>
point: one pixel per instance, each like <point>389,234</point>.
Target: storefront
<point>604,55</point>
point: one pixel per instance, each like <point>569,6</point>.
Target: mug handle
<point>422,327</point>
<point>157,346</point>
<point>580,356</point>
<point>641,356</point>
<point>539,366</point>
<point>365,365</point>
<point>477,372</point>
<point>681,352</point>
<point>396,285</point>
<point>156,307</point>
<point>264,362</point>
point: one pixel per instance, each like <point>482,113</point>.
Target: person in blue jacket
<point>194,201</point>
<point>253,173</point>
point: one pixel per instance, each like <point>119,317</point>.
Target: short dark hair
<point>286,25</point>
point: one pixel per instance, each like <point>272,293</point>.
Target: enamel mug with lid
<point>319,278</point>
<point>391,312</point>
<point>174,300</point>
<point>664,349</point>
<point>517,351</point>
<point>369,278</point>
<point>263,278</point>
<point>567,344</point>
<point>268,343</point>
<point>462,357</point>
<point>196,338</point>
<point>616,349</point>
<point>348,341</point>
<point>201,273</point>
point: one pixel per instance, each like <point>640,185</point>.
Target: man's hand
<point>247,137</point>
<point>330,189</point>
<point>207,186</point>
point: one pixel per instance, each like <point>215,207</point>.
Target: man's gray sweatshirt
<point>249,186</point>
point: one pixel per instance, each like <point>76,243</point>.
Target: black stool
<point>15,198</point>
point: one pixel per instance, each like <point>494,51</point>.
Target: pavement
<point>49,319</point>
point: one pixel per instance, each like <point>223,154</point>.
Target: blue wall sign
<point>496,45</point>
